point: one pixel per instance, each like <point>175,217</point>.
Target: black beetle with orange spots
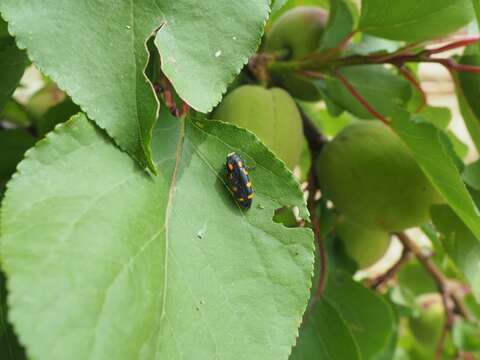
<point>239,181</point>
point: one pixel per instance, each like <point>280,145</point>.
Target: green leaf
<point>476,6</point>
<point>13,144</point>
<point>371,44</point>
<point>471,175</point>
<point>466,335</point>
<point>430,149</point>
<point>341,23</point>
<point>277,5</point>
<point>438,116</point>
<point>414,21</point>
<point>202,42</point>
<point>460,244</point>
<point>327,124</point>
<point>414,280</point>
<point>100,54</point>
<point>12,64</point>
<point>10,348</point>
<point>369,317</point>
<point>381,87</point>
<point>468,91</point>
<point>109,262</point>
<point>459,147</point>
<point>325,335</point>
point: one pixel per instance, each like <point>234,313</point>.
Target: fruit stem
<point>360,98</point>
<point>390,273</point>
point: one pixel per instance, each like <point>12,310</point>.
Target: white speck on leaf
<point>234,38</point>
<point>218,53</point>
<point>129,27</point>
<point>201,233</point>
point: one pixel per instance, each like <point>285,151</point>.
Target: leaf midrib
<point>168,211</point>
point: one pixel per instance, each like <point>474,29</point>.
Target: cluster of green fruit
<point>374,181</point>
<point>367,172</point>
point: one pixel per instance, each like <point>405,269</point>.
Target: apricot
<point>271,114</point>
<point>372,178</point>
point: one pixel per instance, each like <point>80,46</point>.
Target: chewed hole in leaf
<point>287,216</point>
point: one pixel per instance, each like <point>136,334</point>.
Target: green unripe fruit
<point>297,32</point>
<point>427,326</point>
<point>362,244</point>
<point>372,178</point>
<point>271,114</point>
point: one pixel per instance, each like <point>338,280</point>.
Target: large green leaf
<point>381,87</point>
<point>460,244</point>
<point>12,64</point>
<point>413,20</point>
<point>430,147</point>
<point>325,335</point>
<point>96,51</point>
<point>369,317</point>
<point>107,262</point>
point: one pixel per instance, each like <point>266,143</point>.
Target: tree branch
<point>443,287</point>
<point>392,272</point>
<point>321,62</point>
<point>316,141</point>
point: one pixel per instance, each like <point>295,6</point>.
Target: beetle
<point>239,181</point>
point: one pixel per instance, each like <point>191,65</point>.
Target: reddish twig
<point>360,98</point>
<point>390,273</point>
<point>450,64</point>
<point>454,45</point>
<point>185,109</point>
<point>312,74</point>
<point>407,74</point>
